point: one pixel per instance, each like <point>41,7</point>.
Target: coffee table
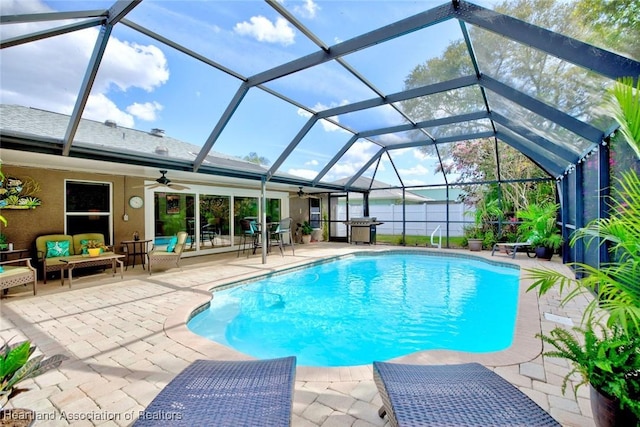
<point>89,261</point>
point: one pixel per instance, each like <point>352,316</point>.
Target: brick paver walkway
<point>127,339</point>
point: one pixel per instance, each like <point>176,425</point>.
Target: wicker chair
<point>161,258</point>
<point>226,393</point>
<point>453,395</point>
<point>17,272</point>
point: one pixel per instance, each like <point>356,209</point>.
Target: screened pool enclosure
<point>350,98</point>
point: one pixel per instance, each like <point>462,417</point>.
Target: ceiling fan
<point>302,195</point>
<point>163,181</point>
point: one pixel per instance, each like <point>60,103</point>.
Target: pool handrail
<point>439,245</point>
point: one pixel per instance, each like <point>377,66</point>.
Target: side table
<point>6,255</point>
<point>136,248</point>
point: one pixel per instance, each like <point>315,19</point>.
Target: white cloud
<point>422,155</point>
<point>327,126</point>
<point>311,163</point>
<point>308,10</point>
<point>101,108</point>
<point>263,29</point>
<point>304,173</point>
<point>129,65</point>
<point>146,111</point>
<point>55,86</point>
<point>343,169</point>
<point>415,170</point>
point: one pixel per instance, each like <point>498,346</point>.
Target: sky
<point>144,84</point>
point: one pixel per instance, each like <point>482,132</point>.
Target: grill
<point>363,230</point>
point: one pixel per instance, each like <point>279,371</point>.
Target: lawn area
<point>390,239</point>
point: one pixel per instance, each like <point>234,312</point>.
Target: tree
<point>253,157</point>
<point>536,73</point>
<point>614,24</point>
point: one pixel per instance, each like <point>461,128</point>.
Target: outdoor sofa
<point>51,249</point>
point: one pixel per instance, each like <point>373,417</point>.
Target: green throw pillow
<point>172,244</point>
<point>57,249</point>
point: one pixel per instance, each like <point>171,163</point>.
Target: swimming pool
<point>354,310</point>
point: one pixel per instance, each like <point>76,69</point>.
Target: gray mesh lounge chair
<point>226,393</point>
<point>510,249</point>
<point>453,395</point>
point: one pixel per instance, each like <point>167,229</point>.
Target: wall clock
<point>136,202</point>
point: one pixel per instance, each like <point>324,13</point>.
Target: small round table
<point>136,248</point>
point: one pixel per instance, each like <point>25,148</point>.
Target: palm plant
<point>625,109</point>
<point>615,283</point>
<point>539,225</point>
<point>607,360</point>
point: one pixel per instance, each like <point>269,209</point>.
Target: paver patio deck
<point>127,339</point>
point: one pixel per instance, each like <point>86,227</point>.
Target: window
<point>174,212</point>
<point>215,229</point>
<point>315,216</point>
<point>88,208</point>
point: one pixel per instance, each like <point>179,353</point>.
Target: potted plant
<point>4,243</point>
<point>539,228</point>
<point>305,229</point>
<point>94,247</point>
<point>17,365</point>
<point>475,237</point>
<point>608,359</point>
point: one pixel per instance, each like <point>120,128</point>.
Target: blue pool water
<point>374,307</point>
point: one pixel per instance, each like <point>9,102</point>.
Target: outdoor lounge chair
<point>453,395</point>
<point>226,393</point>
<point>512,248</point>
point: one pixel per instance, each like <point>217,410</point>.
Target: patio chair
<point>167,256</point>
<point>249,230</point>
<point>226,393</point>
<point>283,231</point>
<point>453,395</point>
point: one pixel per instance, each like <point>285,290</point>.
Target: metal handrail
<point>439,245</point>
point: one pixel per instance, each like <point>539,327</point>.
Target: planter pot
<point>94,252</point>
<point>544,253</point>
<point>475,245</point>
<point>316,236</point>
<point>607,413</point>
<point>306,239</point>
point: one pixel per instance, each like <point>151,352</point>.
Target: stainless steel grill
<point>363,230</point>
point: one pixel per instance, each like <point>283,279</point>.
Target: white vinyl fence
<point>421,220</point>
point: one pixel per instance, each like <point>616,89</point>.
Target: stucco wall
<point>25,225</point>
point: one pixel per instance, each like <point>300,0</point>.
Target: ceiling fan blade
<point>147,186</point>
<point>177,186</point>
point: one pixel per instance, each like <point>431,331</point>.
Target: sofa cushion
<point>41,243</point>
<point>57,248</point>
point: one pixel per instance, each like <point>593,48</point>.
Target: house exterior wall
<point>24,225</point>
